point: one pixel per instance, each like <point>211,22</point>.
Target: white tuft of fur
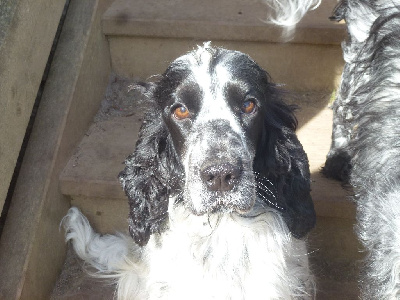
<point>113,256</point>
<point>102,252</point>
<point>201,257</point>
<point>287,13</point>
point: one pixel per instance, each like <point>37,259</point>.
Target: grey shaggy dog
<point>365,147</point>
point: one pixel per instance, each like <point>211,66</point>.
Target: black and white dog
<point>365,148</point>
<point>218,187</point>
<point>366,136</point>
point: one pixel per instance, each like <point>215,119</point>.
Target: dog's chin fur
<point>224,260</point>
<point>215,256</point>
<point>201,201</point>
<point>213,203</point>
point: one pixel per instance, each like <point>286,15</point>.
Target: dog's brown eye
<point>181,113</point>
<point>248,107</point>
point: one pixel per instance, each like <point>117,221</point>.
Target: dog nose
<point>222,177</point>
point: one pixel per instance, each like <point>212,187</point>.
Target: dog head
<point>215,120</point>
<point>219,139</point>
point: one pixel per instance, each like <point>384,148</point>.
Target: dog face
<point>217,139</point>
<point>214,114</point>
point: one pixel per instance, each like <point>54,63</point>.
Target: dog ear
<point>281,161</point>
<point>359,17</point>
<point>295,188</point>
<point>147,178</point>
<point>340,11</point>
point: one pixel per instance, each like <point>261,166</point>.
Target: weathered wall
<point>27,29</point>
<point>32,247</point>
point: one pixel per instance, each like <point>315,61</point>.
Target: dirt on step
<point>74,282</point>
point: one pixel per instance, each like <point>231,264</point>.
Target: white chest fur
<point>226,257</point>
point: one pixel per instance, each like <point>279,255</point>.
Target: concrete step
<point>145,35</point>
<point>90,181</point>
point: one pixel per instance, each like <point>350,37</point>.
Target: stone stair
<point>144,36</point>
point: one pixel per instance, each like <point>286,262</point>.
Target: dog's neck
<point>223,256</point>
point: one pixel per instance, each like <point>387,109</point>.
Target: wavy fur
<point>287,13</point>
<point>367,129</point>
<point>217,258</point>
<point>234,235</point>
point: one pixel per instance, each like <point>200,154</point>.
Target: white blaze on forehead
<point>214,106</point>
<point>214,102</point>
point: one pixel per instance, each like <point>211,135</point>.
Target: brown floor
<point>74,282</point>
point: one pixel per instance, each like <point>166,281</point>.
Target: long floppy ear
<point>148,176</point>
<point>281,161</point>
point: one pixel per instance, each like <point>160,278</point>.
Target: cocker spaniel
<point>365,147</point>
<point>218,187</point>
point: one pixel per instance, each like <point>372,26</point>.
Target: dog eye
<point>249,106</point>
<point>181,112</point>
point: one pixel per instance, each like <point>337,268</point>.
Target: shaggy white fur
<point>288,13</point>
<point>209,257</point>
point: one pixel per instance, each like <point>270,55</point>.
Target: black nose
<point>222,177</point>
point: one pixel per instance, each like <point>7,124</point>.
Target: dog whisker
<point>270,202</point>
<point>262,187</point>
